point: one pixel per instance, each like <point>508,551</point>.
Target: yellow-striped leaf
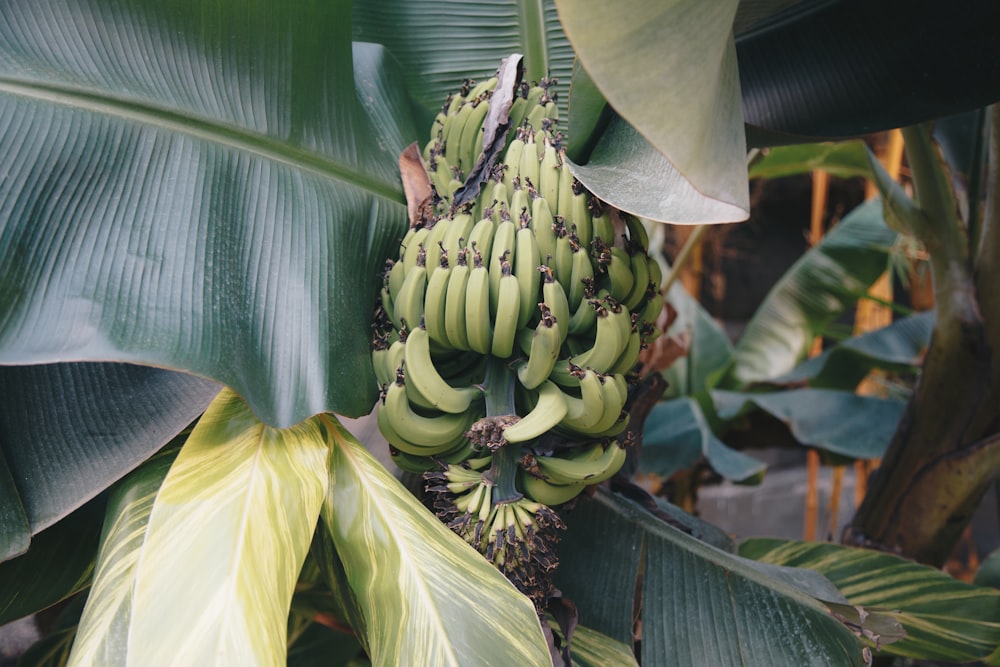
<point>209,579</point>
<point>590,648</point>
<point>944,619</point>
<point>428,598</point>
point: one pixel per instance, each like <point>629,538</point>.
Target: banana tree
<point>199,197</point>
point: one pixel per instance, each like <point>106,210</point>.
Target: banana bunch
<point>506,321</point>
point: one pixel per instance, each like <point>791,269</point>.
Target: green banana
<point>454,303</point>
<point>618,273</point>
<point>613,328</point>
<point>561,470</point>
<point>583,413</point>
<point>434,303</point>
<point>433,434</point>
<point>543,353</point>
<point>546,492</point>
<point>583,318</point>
<point>408,306</point>
<point>471,146</point>
<point>459,229</point>
<point>520,207</point>
<point>386,362</point>
<point>603,227</point>
<point>637,234</point>
<point>541,224</point>
<point>554,298</point>
<point>549,169</point>
<point>529,162</point>
<point>630,355</point>
<point>562,263</point>
<point>424,377</point>
<point>580,272</point>
<point>503,253</point>
<point>411,251</point>
<point>639,268</point>
<point>481,236</point>
<point>655,272</point>
<point>512,160</point>
<point>434,245</point>
<point>549,410</point>
<point>526,262</point>
<point>478,325</point>
<point>508,308</point>
<point>453,140</point>
<point>579,215</point>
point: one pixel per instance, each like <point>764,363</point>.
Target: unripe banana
<point>478,324</point>
<point>512,160</point>
<point>503,253</point>
<point>584,317</point>
<point>454,303</point>
<point>562,263</point>
<point>554,298</point>
<point>434,303</point>
<point>603,228</point>
<point>434,434</point>
<point>541,225</point>
<point>424,377</point>
<point>549,410</point>
<point>548,493</point>
<point>548,172</point>
<point>412,244</point>
<point>579,216</point>
<point>630,355</point>
<point>584,471</point>
<point>408,306</point>
<point>655,272</point>
<point>639,267</point>
<point>386,362</point>
<point>459,230</point>
<point>508,310</point>
<point>637,235</point>
<point>613,328</point>
<point>453,140</point>
<point>581,272</point>
<point>583,413</point>
<point>434,245</point>
<point>618,273</point>
<point>526,262</point>
<point>529,162</point>
<point>543,352</point>
<point>481,237</point>
<point>472,134</point>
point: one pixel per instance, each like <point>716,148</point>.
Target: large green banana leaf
<point>944,619</point>
<point>207,187</point>
<point>217,553</point>
<point>67,431</point>
<point>443,42</point>
<point>813,293</point>
<point>698,605</point>
<point>427,597</point>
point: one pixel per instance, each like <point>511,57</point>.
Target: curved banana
<point>503,253</point>
<point>471,146</point>
<point>584,317</point>
<point>549,410</point>
<point>453,140</point>
<point>614,404</point>
<point>651,311</point>
<point>583,413</point>
<point>459,228</point>
<point>562,263</point>
<point>579,215</point>
<point>424,377</point>
<point>395,278</point>
<point>548,171</point>
<point>386,362</point>
<point>541,224</point>
<point>434,304</point>
<point>582,271</point>
<point>500,202</point>
<point>630,355</point>
<point>507,312</point>
<point>434,245</point>
<point>481,237</point>
<point>529,161</point>
<point>610,340</point>
<point>554,298</point>
<point>411,463</point>
<point>619,274</point>
<point>548,493</point>
<point>408,307</point>
<point>543,353</point>
<point>526,271</point>
<point>512,160</point>
<point>433,434</point>
<point>561,470</point>
<point>655,272</point>
<point>520,207</point>
<point>640,274</point>
<point>413,249</point>
<point>637,234</point>
<point>454,304</point>
<point>603,227</point>
<point>478,324</point>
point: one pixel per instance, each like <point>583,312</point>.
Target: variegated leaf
<point>428,598</point>
<point>944,619</point>
<point>210,580</point>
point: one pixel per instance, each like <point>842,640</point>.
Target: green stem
<point>531,19</point>
<point>500,382</point>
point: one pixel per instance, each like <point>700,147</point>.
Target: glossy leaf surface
<point>197,187</point>
<point>699,605</point>
<point>944,619</point>
<point>221,551</point>
<point>427,597</point>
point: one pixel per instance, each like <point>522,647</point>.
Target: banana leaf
<point>216,548</point>
<point>811,295</point>
<point>944,619</point>
<point>70,430</point>
<point>210,188</point>
<point>841,422</point>
<point>697,604</point>
<point>427,597</point>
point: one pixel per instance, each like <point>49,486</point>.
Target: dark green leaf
<point>15,529</point>
<point>677,435</point>
<point>841,422</point>
<point>699,605</point>
<point>813,293</point>
<point>71,430</point>
<point>59,563</point>
<point>897,347</point>
<point>832,69</point>
<point>203,192</point>
<point>320,646</point>
<point>442,43</point>
<point>944,619</point>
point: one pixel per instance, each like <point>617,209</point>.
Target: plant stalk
<point>500,383</point>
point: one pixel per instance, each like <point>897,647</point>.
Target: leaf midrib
<point>206,130</point>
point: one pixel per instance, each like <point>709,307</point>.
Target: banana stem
<point>499,383</point>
